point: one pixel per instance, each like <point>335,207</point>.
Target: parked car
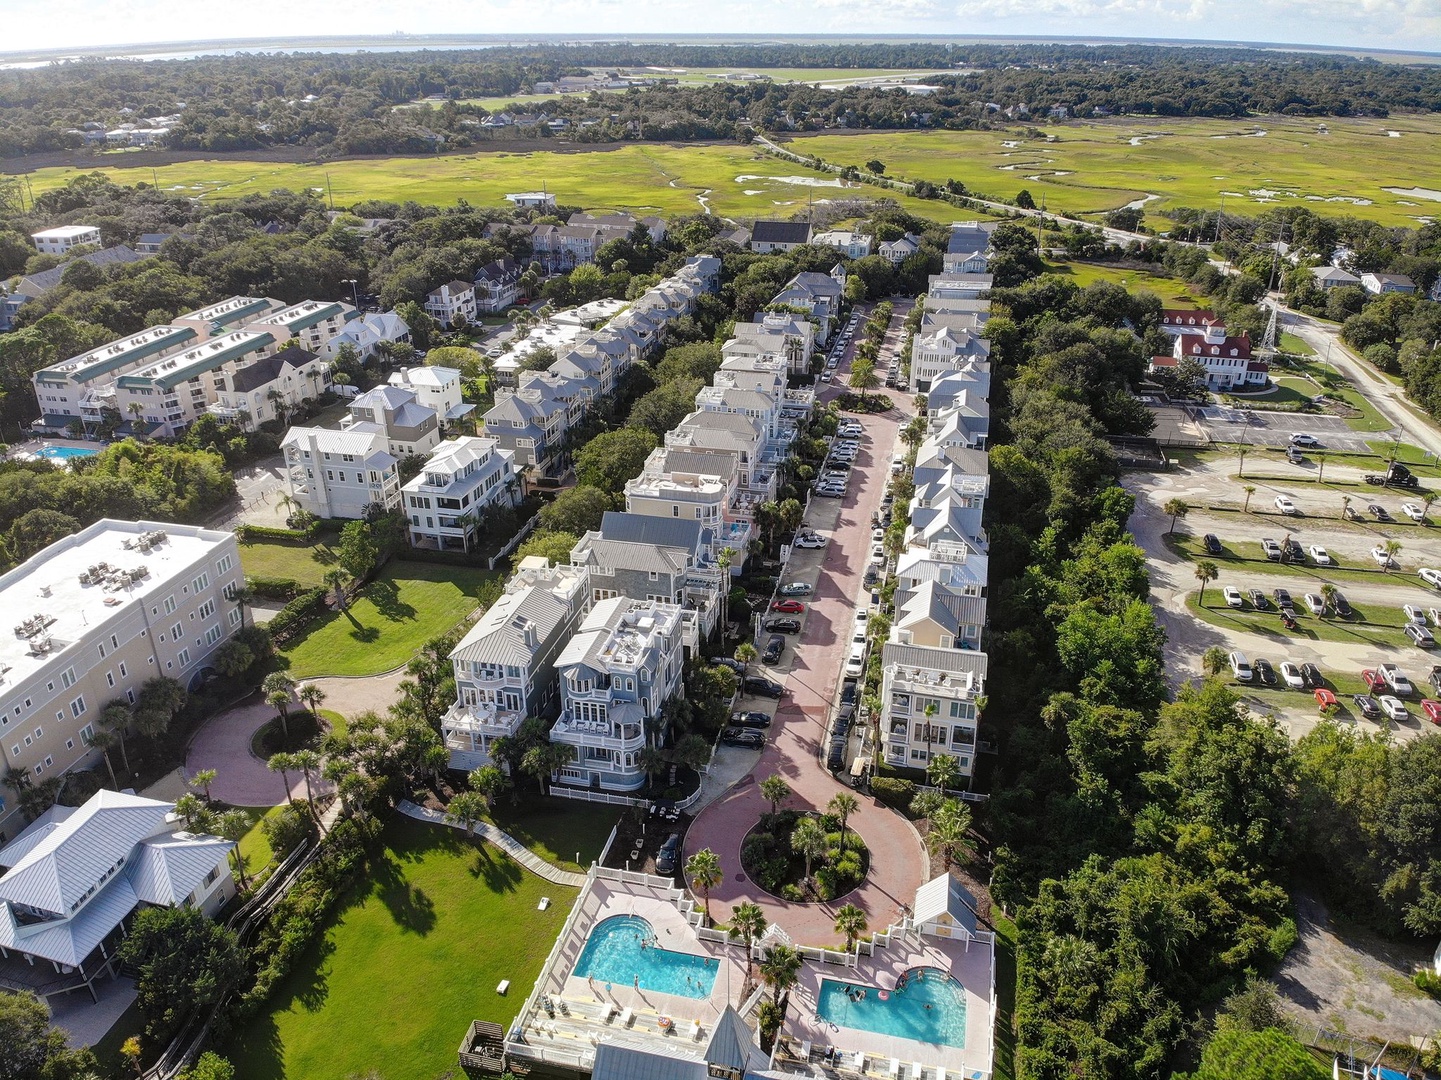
<point>774,647</point>
<point>1396,679</point>
<point>1311,676</point>
<point>1319,555</point>
<point>1314,603</point>
<point>726,661</point>
<point>1414,511</point>
<point>1300,438</point>
<point>1342,605</point>
<point>1293,550</point>
<point>878,554</point>
<point>1434,678</point>
<point>1212,543</point>
<point>748,740</point>
<point>1420,635</point>
<point>1325,700</point>
<point>1265,673</point>
<point>1379,512</point>
<point>831,492</point>
<point>810,540</point>
<point>1240,667</point>
<point>1291,676</point>
<point>1258,599</point>
<point>795,588</point>
<point>1432,709</point>
<point>669,855</point>
<point>873,575</point>
<point>1413,613</point>
<point>1281,596</point>
<point>1373,680</point>
<point>1367,706</point>
<point>1285,505</point>
<point>1233,596</point>
<point>1433,616</point>
<point>856,661</point>
<point>1430,576</point>
<point>763,687</point>
<point>1381,556</point>
<point>788,607</point>
<point>783,625</point>
<point>751,719</point>
<point>1271,548</point>
<point>1393,707</point>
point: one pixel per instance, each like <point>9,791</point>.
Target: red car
<point>1432,708</point>
<point>1373,680</point>
<point>789,607</point>
<point>1325,699</point>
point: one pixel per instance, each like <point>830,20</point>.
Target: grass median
<point>1358,630</point>
<point>1248,557</point>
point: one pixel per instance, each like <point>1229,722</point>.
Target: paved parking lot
<point>1263,428</point>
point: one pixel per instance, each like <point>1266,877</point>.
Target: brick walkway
<point>898,863</point>
<point>241,778</point>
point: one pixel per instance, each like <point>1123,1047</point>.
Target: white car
<point>1430,577</point>
<point>1232,595</point>
<point>1320,555</point>
<point>859,633</point>
<point>878,553</point>
<point>1300,438</point>
<point>1285,505</point>
<point>863,617</point>
<point>1414,613</point>
<point>1291,676</point>
<point>1382,558</point>
<point>1414,511</point>
<point>1433,615</point>
<point>810,540</point>
<point>1315,604</point>
<point>878,536</point>
<point>1392,707</point>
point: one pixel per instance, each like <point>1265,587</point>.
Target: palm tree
<point>1177,509</point>
<point>1320,467</point>
<point>489,781</point>
<point>808,839</point>
<point>775,791</point>
<point>651,760</point>
<point>1241,458</point>
<point>465,809</point>
<point>103,741</point>
<point>944,771</point>
<point>240,595</point>
<point>307,761</point>
<point>947,834</point>
<point>723,560</point>
<point>1345,506</point>
<point>704,870</point>
<point>282,763</point>
<point>851,924</point>
<point>780,968</point>
<point>843,804</point>
<point>746,655</point>
<point>335,579</point>
<point>1246,506</point>
<point>202,780</point>
<point>748,923</point>
<point>1426,507</point>
<point>1328,594</point>
<point>278,688</point>
<point>1205,571</point>
<point>243,419</point>
<point>1392,548</point>
<point>277,402</point>
<point>233,825</point>
<point>311,696</point>
<point>116,718</point>
<point>192,811</point>
<point>135,409</point>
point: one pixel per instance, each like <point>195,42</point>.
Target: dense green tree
<point>609,460</point>
<point>184,962</point>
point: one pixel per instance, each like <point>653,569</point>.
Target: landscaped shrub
<point>265,588</point>
<point>248,533</point>
<point>893,792</point>
<point>297,615</point>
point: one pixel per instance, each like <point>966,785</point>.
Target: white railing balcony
<point>482,718</point>
<point>598,734</point>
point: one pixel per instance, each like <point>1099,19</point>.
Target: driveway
<point>241,778</point>
<point>898,863</point>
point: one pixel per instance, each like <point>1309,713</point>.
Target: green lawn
<point>1173,292</point>
<point>1004,1034</point>
<point>255,849</point>
<point>408,962</point>
<point>1385,632</point>
<point>389,620</point>
<point>1246,557</point>
<point>556,829</point>
<point>306,564</point>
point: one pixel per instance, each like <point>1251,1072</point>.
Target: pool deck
<point>584,1012</point>
<point>972,968</point>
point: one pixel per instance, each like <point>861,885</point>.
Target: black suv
<point>774,647</point>
<point>763,687</point>
<point>1213,545</point>
<point>668,855</point>
<point>1342,605</point>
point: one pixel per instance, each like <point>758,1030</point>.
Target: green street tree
<point>704,871</point>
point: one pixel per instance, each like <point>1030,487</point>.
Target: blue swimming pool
<point>930,1007</point>
<point>64,453</point>
<point>622,948</point>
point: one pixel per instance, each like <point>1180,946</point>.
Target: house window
<point>213,635</point>
<point>109,678</point>
<point>169,605</point>
<point>224,565</point>
<point>123,672</point>
<point>206,609</point>
<point>77,707</point>
<point>175,632</point>
<point>184,657</point>
<point>86,733</point>
<point>67,678</point>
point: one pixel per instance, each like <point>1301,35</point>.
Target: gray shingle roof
<point>690,536</point>
<point>781,232</point>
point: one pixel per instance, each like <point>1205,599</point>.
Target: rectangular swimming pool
<point>928,1007</point>
<point>622,950</point>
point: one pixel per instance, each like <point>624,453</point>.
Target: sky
<point>1404,25</point>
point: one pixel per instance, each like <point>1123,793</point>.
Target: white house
<point>445,502</point>
<point>437,388</point>
<point>505,664</point>
<point>60,240</point>
<point>451,302</point>
<point>929,700</point>
<point>340,474</point>
<point>900,249</point>
<point>1227,360</point>
<point>1379,284</point>
<point>615,675</point>
<point>1333,277</point>
<point>76,875</point>
<point>769,237</point>
<point>367,333</point>
<point>855,245</point>
<point>497,285</point>
<point>532,200</point>
<point>959,285</point>
<point>269,387</point>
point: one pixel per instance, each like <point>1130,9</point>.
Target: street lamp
<point>354,292</point>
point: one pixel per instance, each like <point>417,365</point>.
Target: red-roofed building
<point>1188,322</point>
<point>1228,361</point>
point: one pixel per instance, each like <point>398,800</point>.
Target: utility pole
<point>329,191</point>
<point>1219,215</point>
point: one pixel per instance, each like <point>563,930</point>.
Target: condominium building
<point>98,614</point>
<point>505,664</point>
<point>170,394</point>
<point>340,474</point>
<point>446,501</point>
<point>616,674</point>
<point>62,239</point>
<point>929,701</point>
<point>81,387</point>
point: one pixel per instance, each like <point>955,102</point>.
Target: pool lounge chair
<point>626,1016</point>
<point>859,1063</point>
<point>806,1051</point>
<point>695,1030</point>
<point>895,1070</point>
<point>607,1011</point>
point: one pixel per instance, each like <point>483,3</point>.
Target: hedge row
<point>268,588</point>
<point>247,533</point>
<point>297,615</point>
<point>893,792</point>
